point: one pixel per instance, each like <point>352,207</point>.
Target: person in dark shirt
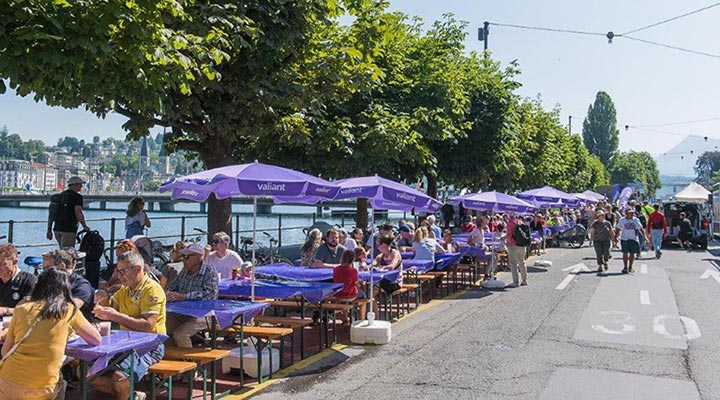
<point>65,213</point>
<point>685,232</point>
<point>15,285</point>
<point>82,292</point>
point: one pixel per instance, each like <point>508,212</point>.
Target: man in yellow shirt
<point>139,306</point>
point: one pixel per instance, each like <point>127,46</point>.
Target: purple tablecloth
<point>407,255</point>
<point>472,251</point>
<point>313,292</point>
<point>286,271</point>
<point>118,342</point>
<point>225,311</point>
<point>447,259</point>
<point>418,265</point>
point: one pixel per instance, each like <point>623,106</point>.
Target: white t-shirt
<point>478,237</point>
<point>225,265</point>
<point>629,228</point>
<point>139,217</point>
<point>350,244</point>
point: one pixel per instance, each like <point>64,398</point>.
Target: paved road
<point>649,335</point>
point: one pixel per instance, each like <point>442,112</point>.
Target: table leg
<point>242,357</point>
<point>213,333</point>
<point>83,379</point>
<point>131,378</point>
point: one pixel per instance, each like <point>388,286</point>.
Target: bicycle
<point>271,255</point>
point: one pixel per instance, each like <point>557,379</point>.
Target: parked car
<point>699,216</point>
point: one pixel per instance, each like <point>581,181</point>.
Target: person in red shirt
<point>657,228</point>
<point>467,226</point>
<point>347,274</point>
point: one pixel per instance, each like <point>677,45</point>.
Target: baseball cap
<point>76,255</point>
<point>193,249</point>
<point>404,228</point>
<point>632,210</point>
<point>75,179</point>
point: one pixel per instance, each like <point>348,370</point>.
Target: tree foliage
<point>600,133</point>
<point>706,165</point>
<point>637,167</point>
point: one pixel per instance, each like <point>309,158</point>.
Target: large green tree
<point>706,165</point>
<point>600,133</point>
<point>212,72</point>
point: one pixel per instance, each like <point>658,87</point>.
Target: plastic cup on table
<point>104,328</point>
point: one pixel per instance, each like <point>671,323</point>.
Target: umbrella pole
<point>371,314</point>
<point>252,273</point>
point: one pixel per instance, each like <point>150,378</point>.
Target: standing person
<point>223,260</point>
<point>643,221</point>
<point>66,211</point>
<point>197,281</point>
<point>601,234</point>
<point>308,249</point>
<point>538,225</point>
<point>14,283</point>
<point>516,248</point>
<point>34,347</point>
<point>448,212</point>
<point>138,306</point>
<point>136,219</point>
<point>657,228</point>
<point>328,254</point>
<point>685,231</point>
<point>629,229</point>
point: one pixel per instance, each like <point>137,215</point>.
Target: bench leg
<point>213,379</point>
<point>302,342</point>
<point>204,375</point>
<point>191,381</point>
<point>152,387</point>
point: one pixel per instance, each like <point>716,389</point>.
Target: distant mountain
<point>680,160</point>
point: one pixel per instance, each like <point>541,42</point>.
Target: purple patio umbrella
<point>548,196</point>
<point>586,198</point>
<point>495,201</point>
<point>254,179</point>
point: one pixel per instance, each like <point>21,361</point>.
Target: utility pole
<point>569,124</point>
<point>483,34</point>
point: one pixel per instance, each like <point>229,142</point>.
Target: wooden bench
<point>323,307</point>
<point>387,303</point>
<point>201,357</point>
<point>422,280</point>
<point>165,370</point>
<point>438,276</point>
<point>264,335</point>
<point>292,323</point>
<point>357,304</point>
<point>413,288</point>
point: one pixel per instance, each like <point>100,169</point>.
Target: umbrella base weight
<point>493,284</point>
<point>370,332</point>
<point>543,263</point>
<point>250,359</point>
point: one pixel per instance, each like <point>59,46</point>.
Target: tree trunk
<point>362,213</point>
<point>432,185</point>
<point>219,212</point>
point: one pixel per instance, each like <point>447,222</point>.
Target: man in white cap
<point>629,230</point>
<point>197,281</point>
<point>66,212</point>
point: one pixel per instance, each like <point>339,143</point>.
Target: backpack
<point>93,245</point>
<point>522,235</point>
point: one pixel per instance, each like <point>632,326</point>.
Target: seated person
<point>477,238</point>
<point>329,252</point>
<point>223,260</point>
<point>346,274</point>
<point>451,245</point>
<point>346,240</point>
<point>405,242</point>
<point>389,258</point>
<point>424,246</point>
<point>361,257</point>
<point>123,246</point>
<point>467,225</point>
<point>309,248</point>
<point>15,285</point>
<point>386,229</point>
<point>197,281</point>
<point>138,306</point>
<point>82,292</point>
<point>171,269</point>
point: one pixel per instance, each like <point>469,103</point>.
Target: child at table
<point>451,246</point>
<point>34,348</point>
<point>361,258</point>
<point>346,274</point>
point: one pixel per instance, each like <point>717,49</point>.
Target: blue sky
<point>649,85</point>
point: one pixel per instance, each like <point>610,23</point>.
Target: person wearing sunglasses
<point>222,258</point>
<point>138,306</point>
<point>197,281</point>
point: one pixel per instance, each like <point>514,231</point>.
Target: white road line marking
<point>575,270</point>
<point>643,269</point>
<point>645,297</point>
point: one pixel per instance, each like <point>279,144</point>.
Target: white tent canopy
<point>693,192</point>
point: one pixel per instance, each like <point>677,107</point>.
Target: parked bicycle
<point>271,254</point>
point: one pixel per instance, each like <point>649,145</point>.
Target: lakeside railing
<point>185,230</point>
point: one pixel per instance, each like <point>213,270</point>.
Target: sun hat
<point>404,228</point>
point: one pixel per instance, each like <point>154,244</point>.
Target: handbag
<point>388,286</point>
<point>16,344</point>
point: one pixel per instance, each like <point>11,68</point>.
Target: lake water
<point>31,224</point>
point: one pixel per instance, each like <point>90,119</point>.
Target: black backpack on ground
<point>93,244</point>
<point>522,235</point>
